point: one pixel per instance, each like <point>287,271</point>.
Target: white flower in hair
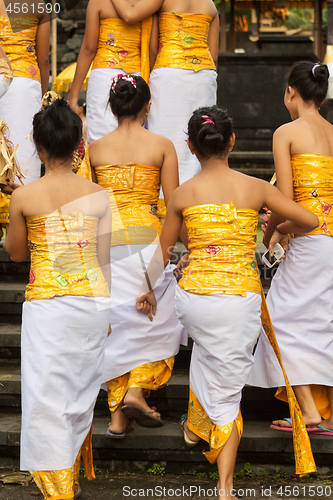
<point>121,76</point>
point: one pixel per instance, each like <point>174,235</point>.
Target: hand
<point>72,101</point>
<point>109,330</point>
<point>278,237</point>
<point>9,187</point>
<point>147,304</point>
<point>183,262</point>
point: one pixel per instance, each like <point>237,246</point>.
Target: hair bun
<point>213,139</point>
<point>321,73</point>
<point>125,89</point>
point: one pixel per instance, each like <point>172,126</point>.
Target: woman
<point>65,222</point>
<point>25,39</point>
<point>111,45</point>
<point>184,74</point>
<point>218,299</point>
<point>131,164</point>
<point>300,297</point>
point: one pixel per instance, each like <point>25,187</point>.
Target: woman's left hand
<point>278,237</point>
<point>147,304</point>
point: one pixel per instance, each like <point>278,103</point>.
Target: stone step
<point>172,399</point>
<point>256,163</point>
<point>259,444</point>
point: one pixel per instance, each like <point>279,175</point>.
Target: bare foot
<point>328,424</point>
<point>119,421</point>
<point>134,396</point>
<point>309,422</point>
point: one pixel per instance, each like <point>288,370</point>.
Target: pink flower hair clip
<point>121,76</point>
<point>208,120</point>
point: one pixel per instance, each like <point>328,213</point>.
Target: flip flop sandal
<point>189,443</point>
<point>78,493</point>
<point>142,417</point>
<point>119,435</point>
<point>290,429</point>
<point>323,431</point>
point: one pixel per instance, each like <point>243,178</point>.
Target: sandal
<point>189,443</point>
<point>119,435</point>
<point>142,417</point>
<point>77,494</point>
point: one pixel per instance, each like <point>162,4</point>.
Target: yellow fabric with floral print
<point>4,208</point>
<point>119,46</point>
<point>150,376</point>
<point>6,71</point>
<point>64,260</point>
<point>18,40</point>
<point>63,484</point>
<point>223,242</point>
<point>313,188</point>
<point>183,42</point>
<point>216,435</point>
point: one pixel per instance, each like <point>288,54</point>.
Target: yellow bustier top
<point>183,42</point>
<point>64,257</point>
<point>133,192</point>
<point>4,208</point>
<point>119,46</point>
<point>18,40</point>
<point>223,242</point>
<point>313,188</point>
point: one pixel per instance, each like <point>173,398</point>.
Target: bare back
<point>106,8</point>
<point>190,7</point>
<point>311,135</point>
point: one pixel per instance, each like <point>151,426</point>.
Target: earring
<point>230,150</point>
<point>147,114</point>
<point>289,100</point>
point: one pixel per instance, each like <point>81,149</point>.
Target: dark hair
<point>210,138</point>
<point>310,80</point>
<point>57,129</point>
<point>82,104</point>
<point>127,100</point>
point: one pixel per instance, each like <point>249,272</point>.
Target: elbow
<point>18,256</point>
<point>315,223</point>
<point>130,18</point>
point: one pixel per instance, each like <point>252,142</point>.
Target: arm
<point>87,52</point>
<point>146,301</point>
<point>43,50</point>
<point>153,46</point>
<point>4,56</point>
<point>284,176</point>
<point>104,241</point>
<point>213,39</point>
<point>134,13</point>
<point>298,219</point>
<point>16,234</point>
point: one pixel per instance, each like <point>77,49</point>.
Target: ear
<point>148,107</point>
<point>190,146</point>
<point>291,93</point>
<point>232,141</point>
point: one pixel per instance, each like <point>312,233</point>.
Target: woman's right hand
<point>147,304</point>
<point>72,101</point>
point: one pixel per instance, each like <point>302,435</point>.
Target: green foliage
<point>264,473</point>
<point>214,475</point>
<point>299,19</point>
<point>245,472</point>
<point>157,470</point>
<point>281,474</point>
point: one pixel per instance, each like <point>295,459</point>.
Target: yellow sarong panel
<point>18,40</point>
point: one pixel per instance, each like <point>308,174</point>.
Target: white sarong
<point>100,119</point>
<point>17,108</point>
<point>135,340</point>
<point>224,329</point>
<point>63,342</point>
<point>175,94</point>
<point>4,85</point>
<point>300,303</point>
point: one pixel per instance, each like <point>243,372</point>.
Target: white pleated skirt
<point>17,108</point>
<point>224,329</point>
<point>63,342</point>
<point>100,119</point>
<point>300,303</point>
<point>176,93</point>
<point>135,340</point>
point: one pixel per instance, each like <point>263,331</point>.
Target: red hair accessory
<point>121,76</point>
<point>208,120</point>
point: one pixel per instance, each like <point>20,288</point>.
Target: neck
<point>306,111</point>
<point>212,163</point>
<point>58,167</point>
<point>128,123</point>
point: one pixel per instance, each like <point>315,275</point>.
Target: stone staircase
<point>143,446</point>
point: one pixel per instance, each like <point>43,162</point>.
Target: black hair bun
<point>321,73</point>
<point>125,90</point>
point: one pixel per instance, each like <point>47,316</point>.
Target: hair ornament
<point>208,120</point>
<point>121,76</point>
<point>313,69</point>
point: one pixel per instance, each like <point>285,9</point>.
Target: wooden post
<point>53,44</point>
<point>223,28</point>
<point>329,48</point>
<point>232,41</point>
<point>317,27</point>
